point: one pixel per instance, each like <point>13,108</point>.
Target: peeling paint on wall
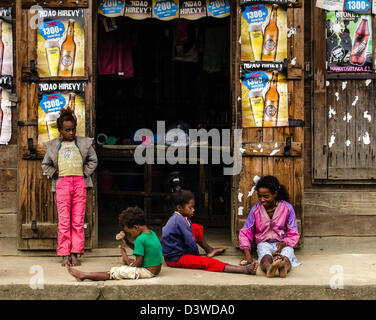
<point>367,116</point>
<point>348,143</point>
<point>327,83</point>
<point>240,196</point>
<point>332,112</point>
<point>344,85</point>
<point>274,152</point>
<point>355,101</point>
<point>347,117</point>
<point>332,141</point>
<point>368,82</point>
<point>240,211</point>
<point>337,95</point>
<point>366,138</point>
<point>293,61</point>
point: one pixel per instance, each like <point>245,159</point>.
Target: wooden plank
<point>8,201</point>
<point>352,173</point>
<point>271,149</point>
<point>8,180</point>
<point>8,157</point>
<point>319,126</point>
<point>339,203</point>
<point>8,225</point>
<point>45,231</point>
<point>349,225</point>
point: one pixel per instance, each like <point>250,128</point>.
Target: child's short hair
<point>272,183</point>
<point>65,115</point>
<point>180,198</point>
<point>132,216</point>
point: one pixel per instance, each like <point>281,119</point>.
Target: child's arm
<point>91,162</point>
<point>48,168</point>
<point>292,234</point>
<point>128,243</point>
<point>246,235</point>
<point>138,262</point>
<point>187,234</point>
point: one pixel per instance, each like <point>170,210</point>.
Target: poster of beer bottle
<point>264,99</point>
<point>5,116</point>
<point>55,96</point>
<point>348,42</point>
<point>264,35</point>
<point>61,43</point>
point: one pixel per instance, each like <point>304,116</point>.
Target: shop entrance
<point>174,71</point>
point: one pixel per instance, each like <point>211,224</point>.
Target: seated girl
<point>273,223</point>
<point>180,235</point>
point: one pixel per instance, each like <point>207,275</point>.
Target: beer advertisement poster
<point>138,10</point>
<point>166,9</point>
<point>264,36</point>
<point>5,116</point>
<point>348,42</point>
<point>112,8</point>
<point>218,8</point>
<point>264,100</point>
<point>192,10</point>
<point>53,97</point>
<point>61,43</point>
<point>6,47</point>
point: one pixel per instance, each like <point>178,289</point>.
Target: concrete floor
<point>327,263</point>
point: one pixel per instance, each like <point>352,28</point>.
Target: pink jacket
<point>282,227</point>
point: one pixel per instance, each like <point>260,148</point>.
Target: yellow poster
<point>218,8</point>
<point>52,98</point>
<point>264,33</point>
<point>264,100</point>
<point>61,43</point>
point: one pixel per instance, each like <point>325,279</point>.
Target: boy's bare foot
<point>252,267</point>
<point>274,267</point>
<point>124,257</point>
<point>215,251</point>
<point>75,273</point>
<point>75,261</point>
<point>66,261</point>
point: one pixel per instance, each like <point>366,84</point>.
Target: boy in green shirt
<point>146,248</point>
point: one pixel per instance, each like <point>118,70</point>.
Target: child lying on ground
<point>146,248</point>
<point>179,238</point>
<point>273,223</point>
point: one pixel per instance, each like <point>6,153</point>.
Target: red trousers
<point>190,261</point>
<point>71,203</point>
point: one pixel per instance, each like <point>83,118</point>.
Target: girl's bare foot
<point>75,261</point>
<point>252,267</point>
<point>66,261</point>
<point>76,273</point>
<point>284,267</point>
<point>215,252</point>
<point>274,267</point>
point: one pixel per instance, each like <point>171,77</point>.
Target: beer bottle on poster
<point>1,47</point>
<point>269,49</point>
<point>271,103</point>
<point>359,50</point>
<point>68,52</point>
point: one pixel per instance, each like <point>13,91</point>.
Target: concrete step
<point>320,276</point>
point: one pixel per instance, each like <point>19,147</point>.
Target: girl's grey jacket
<point>89,158</point>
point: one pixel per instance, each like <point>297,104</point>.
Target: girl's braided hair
<point>65,115</point>
<point>272,183</point>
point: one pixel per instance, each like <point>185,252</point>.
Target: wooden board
<point>36,202</point>
<point>288,169</point>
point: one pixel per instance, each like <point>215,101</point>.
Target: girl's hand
<point>280,246</point>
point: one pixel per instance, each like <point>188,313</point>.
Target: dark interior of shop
<point>150,70</point>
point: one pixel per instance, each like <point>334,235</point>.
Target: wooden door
<point>37,213</point>
<point>287,163</point>
<point>344,128</point>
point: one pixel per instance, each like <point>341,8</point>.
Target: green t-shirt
<point>148,246</point>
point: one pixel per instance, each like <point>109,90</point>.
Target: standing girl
<point>69,162</point>
<point>180,235</point>
<point>273,223</point>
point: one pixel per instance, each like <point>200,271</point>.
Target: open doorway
<point>173,71</point>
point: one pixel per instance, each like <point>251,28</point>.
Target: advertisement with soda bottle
<point>264,100</point>
<point>61,43</point>
<point>6,47</point>
<point>53,97</point>
<point>349,42</point>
